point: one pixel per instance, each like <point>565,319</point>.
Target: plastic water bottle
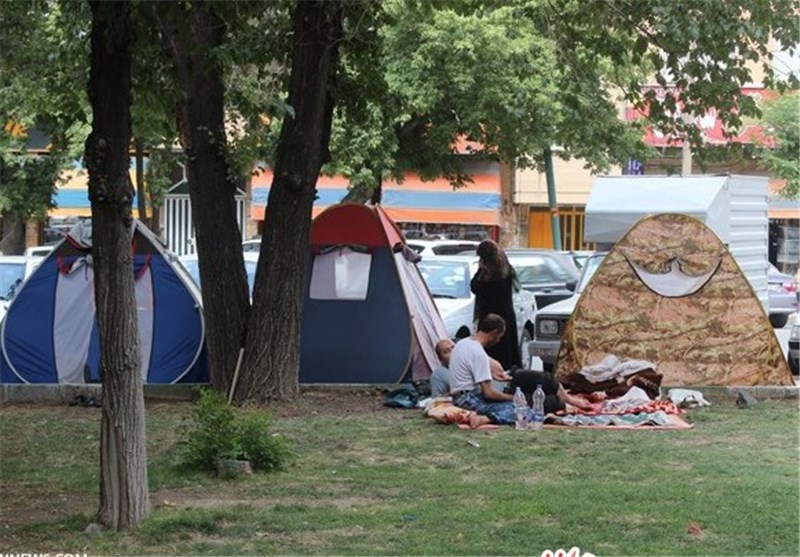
<point>520,410</point>
<point>537,418</point>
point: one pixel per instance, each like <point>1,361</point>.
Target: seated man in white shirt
<point>471,376</point>
<point>440,378</point>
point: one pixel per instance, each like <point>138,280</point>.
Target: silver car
<point>552,320</point>
<point>783,297</point>
<point>545,273</point>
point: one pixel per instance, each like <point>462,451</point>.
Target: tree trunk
<point>12,234</point>
<point>124,495</point>
<point>192,36</point>
<point>272,351</point>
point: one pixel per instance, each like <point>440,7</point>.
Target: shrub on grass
<point>265,451</point>
<point>217,431</point>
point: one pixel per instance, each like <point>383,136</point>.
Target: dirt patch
<point>189,498</point>
<point>23,504</point>
<point>332,402</point>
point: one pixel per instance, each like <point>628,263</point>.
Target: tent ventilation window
<point>341,274</point>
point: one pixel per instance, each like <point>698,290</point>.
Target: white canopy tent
<point>616,203</point>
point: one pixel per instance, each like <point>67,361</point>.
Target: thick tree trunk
<point>192,36</point>
<point>272,351</point>
<point>124,495</point>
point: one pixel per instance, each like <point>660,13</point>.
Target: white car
<point>14,269</point>
<point>39,251</point>
<point>427,248</point>
<point>192,265</point>
<point>448,279</point>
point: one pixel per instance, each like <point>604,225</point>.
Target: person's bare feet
<point>477,420</point>
<point>578,402</point>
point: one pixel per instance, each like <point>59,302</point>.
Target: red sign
<point>709,124</point>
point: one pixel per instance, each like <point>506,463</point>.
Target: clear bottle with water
<point>537,417</point>
<point>520,410</point>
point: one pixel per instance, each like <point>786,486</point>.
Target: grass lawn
<point>385,481</point>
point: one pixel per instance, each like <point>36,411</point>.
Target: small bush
<point>217,431</point>
<point>264,450</point>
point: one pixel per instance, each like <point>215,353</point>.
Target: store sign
<point>709,124</point>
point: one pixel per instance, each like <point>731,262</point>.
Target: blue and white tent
<point>50,334</point>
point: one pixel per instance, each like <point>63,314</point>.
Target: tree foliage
<point>37,35</point>
<point>782,124</point>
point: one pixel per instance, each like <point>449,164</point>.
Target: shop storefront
<point>422,209</point>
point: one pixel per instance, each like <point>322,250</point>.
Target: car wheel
<point>778,320</point>
<point>794,367</point>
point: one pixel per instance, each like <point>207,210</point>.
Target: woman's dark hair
<point>494,259</point>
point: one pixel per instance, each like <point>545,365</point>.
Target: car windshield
<point>589,268</point>
<point>249,266</point>
<point>446,279</point>
<point>540,269</point>
<point>580,259</point>
<point>11,275</point>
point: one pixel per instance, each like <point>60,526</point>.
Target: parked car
<point>427,248</point>
<point>794,349</point>
<point>784,296</point>
<point>552,320</point>
<point>252,245</point>
<point>192,265</point>
<point>579,257</point>
<point>448,279</point>
<point>545,273</point>
<point>39,251</point>
<point>14,269</point>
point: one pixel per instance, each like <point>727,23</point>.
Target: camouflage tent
<point>669,292</point>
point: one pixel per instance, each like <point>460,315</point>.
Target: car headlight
<point>795,334</point>
<point>548,327</point>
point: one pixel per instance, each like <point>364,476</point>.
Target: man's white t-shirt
<point>469,365</point>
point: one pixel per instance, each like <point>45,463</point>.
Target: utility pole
<point>686,150</point>
<point>551,198</point>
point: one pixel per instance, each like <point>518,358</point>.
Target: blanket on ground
<point>654,414</point>
<point>641,420</point>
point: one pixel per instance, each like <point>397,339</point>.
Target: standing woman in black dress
<point>493,285</point>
